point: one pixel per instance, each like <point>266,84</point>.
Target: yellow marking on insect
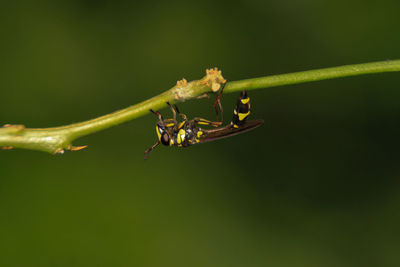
<point>171,142</point>
<point>242,116</point>
<point>182,133</point>
<point>181,124</point>
<point>204,123</point>
<point>170,124</point>
<point>235,126</point>
<point>181,136</point>
<point>235,112</point>
<point>245,100</point>
<point>199,133</point>
<point>158,132</point>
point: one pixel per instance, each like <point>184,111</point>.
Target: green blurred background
<point>317,185</point>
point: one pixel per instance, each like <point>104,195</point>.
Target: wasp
<point>185,133</point>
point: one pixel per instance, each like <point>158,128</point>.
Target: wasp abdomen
<point>241,111</point>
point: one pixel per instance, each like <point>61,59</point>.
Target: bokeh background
<point>317,185</point>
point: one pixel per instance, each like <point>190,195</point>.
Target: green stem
<point>56,140</point>
<point>313,75</point>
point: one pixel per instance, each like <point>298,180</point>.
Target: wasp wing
<point>229,130</point>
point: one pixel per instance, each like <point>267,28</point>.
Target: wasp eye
<point>165,139</point>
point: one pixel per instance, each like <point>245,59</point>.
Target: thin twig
<point>57,140</point>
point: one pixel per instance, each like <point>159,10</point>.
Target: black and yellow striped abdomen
<point>241,111</point>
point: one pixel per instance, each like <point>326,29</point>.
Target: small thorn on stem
<point>203,96</point>
<point>77,148</point>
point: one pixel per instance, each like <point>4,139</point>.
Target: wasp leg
<point>173,111</point>
<point>176,125</point>
<point>158,114</point>
<point>184,118</point>
<point>148,151</point>
<point>218,101</point>
<point>206,122</point>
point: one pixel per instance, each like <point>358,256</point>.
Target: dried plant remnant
<point>213,79</point>
<point>181,83</point>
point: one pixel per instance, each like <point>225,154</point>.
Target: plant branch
<point>313,75</point>
<point>58,139</point>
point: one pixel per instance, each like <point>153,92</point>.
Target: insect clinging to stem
<point>170,132</point>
